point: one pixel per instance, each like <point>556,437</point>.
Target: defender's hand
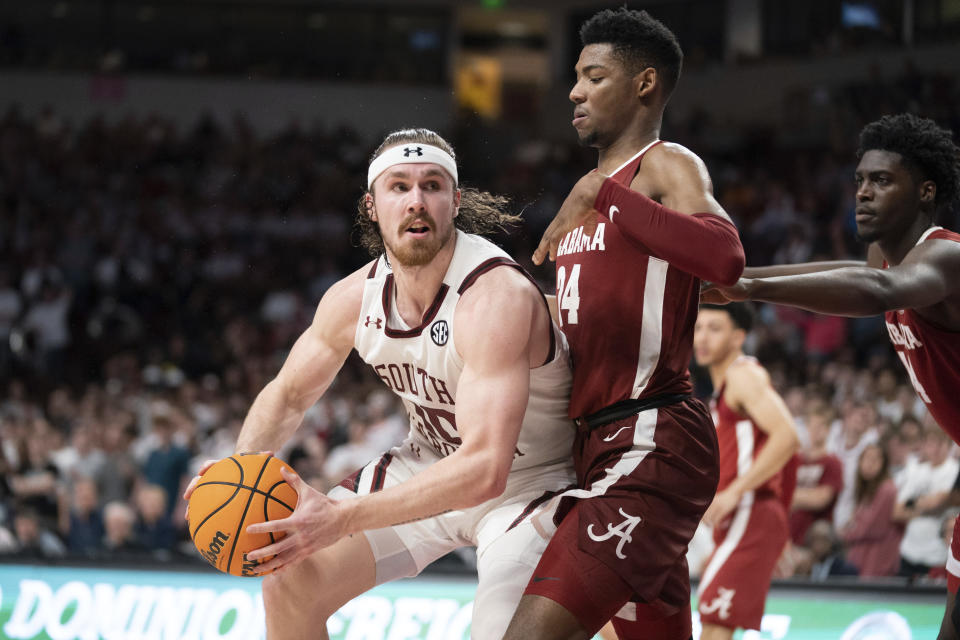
<point>577,210</point>
<point>711,293</point>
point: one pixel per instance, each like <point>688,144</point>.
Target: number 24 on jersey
<point>568,293</point>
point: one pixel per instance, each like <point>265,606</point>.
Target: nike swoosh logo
<point>609,438</point>
<point>539,579</point>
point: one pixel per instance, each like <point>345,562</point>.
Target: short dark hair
<point>925,148</point>
<point>740,313</point>
<point>639,40</point>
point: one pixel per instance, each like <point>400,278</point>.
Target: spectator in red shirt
<point>819,478</point>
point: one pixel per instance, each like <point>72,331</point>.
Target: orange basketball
<point>234,493</point>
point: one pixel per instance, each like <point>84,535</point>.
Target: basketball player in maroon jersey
<point>908,171</point>
<point>631,241</point>
<point>757,439</point>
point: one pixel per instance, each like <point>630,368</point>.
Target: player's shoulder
<point>940,250</point>
<point>499,298</point>
<point>344,298</point>
<point>503,283</point>
<point>672,154</point>
<point>672,164</point>
<point>746,374</point>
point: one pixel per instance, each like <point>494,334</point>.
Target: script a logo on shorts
<point>720,604</point>
<point>622,531</point>
<point>212,553</point>
<point>409,151</point>
<point>440,332</point>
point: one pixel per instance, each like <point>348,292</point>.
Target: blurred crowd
<point>153,280</point>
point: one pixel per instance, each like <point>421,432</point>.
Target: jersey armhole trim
<point>492,263</point>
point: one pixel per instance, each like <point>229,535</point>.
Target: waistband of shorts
<point>627,408</point>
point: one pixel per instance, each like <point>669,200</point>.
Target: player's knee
<point>295,590</point>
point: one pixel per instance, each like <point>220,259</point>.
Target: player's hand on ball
<point>317,522</point>
<point>193,484</point>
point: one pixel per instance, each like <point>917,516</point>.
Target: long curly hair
<point>481,212</point>
<point>925,148</point>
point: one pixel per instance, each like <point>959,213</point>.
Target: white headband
<point>412,153</point>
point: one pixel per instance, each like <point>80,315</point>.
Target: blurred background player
<point>908,170</point>
<point>632,241</point>
<point>757,439</point>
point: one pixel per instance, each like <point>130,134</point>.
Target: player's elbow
<point>493,485</point>
<point>489,480</point>
<point>879,295</point>
<point>730,266</point>
<point>791,442</point>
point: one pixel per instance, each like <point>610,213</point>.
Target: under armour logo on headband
<point>412,154</point>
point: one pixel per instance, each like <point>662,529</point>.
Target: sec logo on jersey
<point>439,332</point>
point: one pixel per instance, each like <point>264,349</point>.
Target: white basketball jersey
<point>421,364</point>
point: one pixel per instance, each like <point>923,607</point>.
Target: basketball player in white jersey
<point>456,329</point>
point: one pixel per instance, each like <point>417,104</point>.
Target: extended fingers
<point>541,251</point>
<point>548,244</point>
<point>270,526</point>
<point>273,564</point>
<point>292,479</point>
<point>196,479</point>
<point>278,547</point>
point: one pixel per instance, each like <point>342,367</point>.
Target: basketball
<point>234,493</point>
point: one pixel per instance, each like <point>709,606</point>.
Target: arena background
<point>177,186</point>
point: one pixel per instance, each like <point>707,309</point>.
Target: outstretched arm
<point>874,259</point>
<point>311,366</point>
<point>750,392</point>
<point>775,270</point>
<point>313,362</point>
<point>496,317</point>
<point>925,277</point>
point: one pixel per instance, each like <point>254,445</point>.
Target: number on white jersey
<point>913,377</point>
<point>568,293</point>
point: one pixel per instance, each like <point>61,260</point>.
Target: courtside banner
<point>50,603</point>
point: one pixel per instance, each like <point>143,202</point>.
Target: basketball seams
<point>246,508</point>
<point>222,506</point>
<point>268,497</point>
<point>223,483</point>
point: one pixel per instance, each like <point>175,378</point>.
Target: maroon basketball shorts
<point>735,582</point>
<point>619,552</point>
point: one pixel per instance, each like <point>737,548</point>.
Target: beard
<point>418,252</point>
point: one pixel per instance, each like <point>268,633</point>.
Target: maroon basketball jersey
<point>740,441</point>
<point>627,315</point>
<point>931,356</point>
